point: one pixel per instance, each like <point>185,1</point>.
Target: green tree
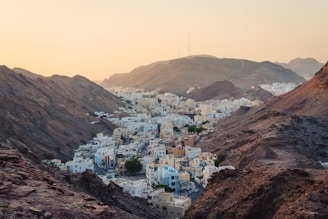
<point>191,128</point>
<point>133,165</point>
<point>200,129</point>
<point>219,158</point>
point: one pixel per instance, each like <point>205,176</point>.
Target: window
<point>173,184</point>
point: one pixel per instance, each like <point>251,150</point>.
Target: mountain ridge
<point>178,75</point>
<point>49,114</point>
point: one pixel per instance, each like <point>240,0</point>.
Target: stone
<point>35,211</point>
<point>22,191</point>
<point>47,215</point>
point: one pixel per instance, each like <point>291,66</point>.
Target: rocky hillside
<point>178,75</point>
<point>49,114</point>
<point>262,193</point>
<point>112,195</point>
<point>276,148</point>
<point>28,190</point>
<point>225,90</point>
<point>306,67</point>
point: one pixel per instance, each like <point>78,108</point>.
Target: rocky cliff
<point>276,149</point>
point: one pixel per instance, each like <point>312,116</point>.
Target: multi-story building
<point>168,176</point>
<point>175,206</point>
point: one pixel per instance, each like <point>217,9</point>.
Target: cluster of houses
<point>278,89</point>
<point>157,132</point>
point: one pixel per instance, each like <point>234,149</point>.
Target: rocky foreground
<point>28,190</point>
<point>264,193</point>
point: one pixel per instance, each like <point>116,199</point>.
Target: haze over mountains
<point>178,75</point>
<point>277,147</point>
<point>305,67</point>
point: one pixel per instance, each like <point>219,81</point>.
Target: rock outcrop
<point>276,149</point>
<point>28,190</point>
<point>264,193</point>
<point>112,195</point>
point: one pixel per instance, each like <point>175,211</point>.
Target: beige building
<point>120,167</point>
<point>189,140</point>
<point>175,206</point>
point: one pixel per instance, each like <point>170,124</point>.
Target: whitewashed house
<point>79,165</point>
<point>168,176</point>
<point>158,151</point>
<point>105,158</point>
<point>192,152</point>
<point>151,173</point>
<point>138,188</point>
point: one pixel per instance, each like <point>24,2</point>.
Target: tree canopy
<point>219,158</point>
<point>133,165</point>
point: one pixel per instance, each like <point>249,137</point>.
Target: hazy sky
<point>96,38</point>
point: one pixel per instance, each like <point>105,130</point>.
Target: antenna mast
<point>189,53</point>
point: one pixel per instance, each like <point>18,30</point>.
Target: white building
<point>192,152</point>
<point>158,151</point>
<point>168,176</point>
<point>105,158</point>
<point>147,159</point>
<point>151,173</point>
<point>79,165</point>
<point>127,151</point>
<point>138,188</point>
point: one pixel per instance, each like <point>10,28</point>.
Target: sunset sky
<point>96,38</point>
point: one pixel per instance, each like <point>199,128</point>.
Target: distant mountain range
<point>178,75</point>
<point>305,67</point>
<point>49,113</point>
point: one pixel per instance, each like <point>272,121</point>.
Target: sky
<point>96,38</point>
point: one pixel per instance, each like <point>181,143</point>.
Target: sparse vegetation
<point>220,156</point>
<point>128,102</point>
<point>166,187</point>
<point>92,114</point>
<point>133,165</point>
<point>193,128</point>
<point>93,133</point>
<point>205,122</point>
